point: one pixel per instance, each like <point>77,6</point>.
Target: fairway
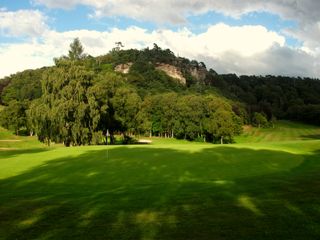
<point>264,187</point>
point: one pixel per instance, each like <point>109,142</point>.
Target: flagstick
<point>107,134</point>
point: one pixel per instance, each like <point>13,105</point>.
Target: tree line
<point>275,97</point>
<point>81,98</point>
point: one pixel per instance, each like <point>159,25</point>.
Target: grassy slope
<point>9,141</point>
<point>168,190</point>
<point>283,131</point>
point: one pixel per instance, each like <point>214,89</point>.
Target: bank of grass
<point>169,189</point>
<point>282,131</point>
<point>10,141</point>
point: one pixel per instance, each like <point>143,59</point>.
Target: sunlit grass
<point>283,131</point>
<point>10,141</point>
<point>169,189</point>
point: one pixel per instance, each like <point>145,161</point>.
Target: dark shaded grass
<point>15,152</point>
<point>152,193</point>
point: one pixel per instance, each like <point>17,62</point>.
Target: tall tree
<point>13,117</point>
<point>100,95</point>
<point>259,120</point>
<point>65,105</point>
<point>76,50</point>
<point>126,103</point>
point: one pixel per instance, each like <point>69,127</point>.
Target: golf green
<point>169,189</point>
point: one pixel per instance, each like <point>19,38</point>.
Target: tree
<point>100,95</point>
<point>23,86</point>
<point>76,50</point>
<point>126,103</point>
<point>220,122</point>
<point>222,125</point>
<point>189,115</point>
<point>13,117</point>
<point>169,112</point>
<point>144,117</point>
<point>259,120</point>
<point>65,106</point>
<point>41,120</point>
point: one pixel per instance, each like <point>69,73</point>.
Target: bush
<point>259,120</point>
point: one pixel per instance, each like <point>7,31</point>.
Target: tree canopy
<point>79,99</point>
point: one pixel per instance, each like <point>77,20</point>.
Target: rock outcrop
<point>172,71</point>
<point>199,73</point>
<point>123,68</point>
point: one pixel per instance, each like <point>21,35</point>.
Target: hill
<point>128,92</point>
<point>149,92</point>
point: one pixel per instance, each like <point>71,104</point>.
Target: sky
<point>277,37</point>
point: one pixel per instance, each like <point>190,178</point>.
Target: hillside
<point>148,92</point>
<point>283,131</point>
<point>125,92</point>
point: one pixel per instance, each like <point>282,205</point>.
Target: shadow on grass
<point>312,136</point>
<point>14,152</point>
<point>150,193</point>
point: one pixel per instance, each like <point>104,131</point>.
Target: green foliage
<point>3,83</point>
<point>191,117</point>
<point>65,97</point>
<point>259,120</point>
<point>41,121</point>
<point>13,116</point>
<point>148,79</point>
<point>23,86</point>
<point>274,96</point>
<point>76,50</point>
<point>126,104</point>
<point>221,123</point>
<point>82,97</point>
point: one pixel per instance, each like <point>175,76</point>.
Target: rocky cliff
<point>123,68</point>
<point>198,73</point>
<point>172,71</point>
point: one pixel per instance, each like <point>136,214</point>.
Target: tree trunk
<point>66,143</point>
<point>221,140</point>
<point>112,139</point>
<point>172,133</point>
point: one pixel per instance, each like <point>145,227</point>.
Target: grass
<point>167,190</point>
<point>9,141</point>
<point>283,131</point>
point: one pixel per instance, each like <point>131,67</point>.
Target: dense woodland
<point>81,98</point>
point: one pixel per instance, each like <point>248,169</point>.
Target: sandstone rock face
<point>123,68</point>
<point>172,71</point>
<point>199,73</point>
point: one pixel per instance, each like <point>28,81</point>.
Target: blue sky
<point>244,37</point>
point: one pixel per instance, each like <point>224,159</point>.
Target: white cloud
<point>305,13</point>
<point>178,10</point>
<point>242,50</point>
<point>31,23</point>
<point>18,57</point>
<point>275,61</point>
